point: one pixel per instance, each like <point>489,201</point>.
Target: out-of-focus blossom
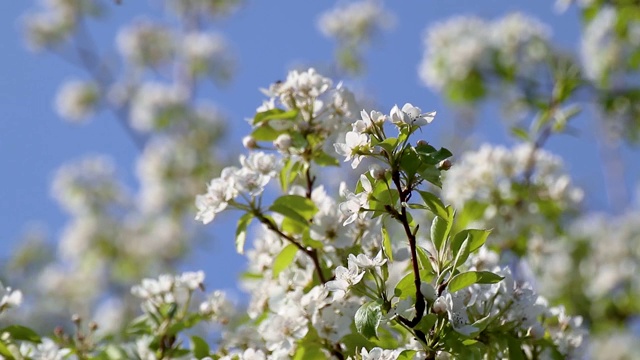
<point>77,100</point>
<point>209,54</point>
<point>463,46</point>
<point>495,177</point>
<point>355,22</point>
<point>146,43</point>
<point>156,104</point>
<point>9,298</point>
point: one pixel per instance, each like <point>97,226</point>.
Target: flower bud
<point>439,306</point>
<point>283,143</point>
<point>428,291</point>
<point>249,143</point>
<point>444,165</point>
<point>536,332</point>
<point>377,172</point>
<point>422,143</point>
<point>93,326</point>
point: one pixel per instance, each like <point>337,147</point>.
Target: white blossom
<point>146,43</point>
<point>377,353</point>
<point>354,147</point>
<point>366,262</point>
<point>9,298</point>
<point>356,21</point>
<point>410,115</point>
<point>77,100</point>
<point>345,278</point>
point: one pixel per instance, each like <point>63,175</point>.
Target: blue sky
<point>268,37</point>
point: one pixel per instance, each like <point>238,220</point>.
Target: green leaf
<point>477,238</point>
<point>515,349</point>
<point>4,351</point>
<point>439,232</point>
<point>274,114</point>
<point>427,322</point>
<point>424,259</point>
<point>308,351</point>
<point>289,213</point>
<point>424,148</point>
<point>435,204</point>
<point>199,347</point>
<point>323,159</point>
<point>284,259</point>
<point>472,210</point>
<point>436,157</point>
<point>19,332</point>
<point>300,204</point>
<point>368,319</point>
<point>287,173</point>
<point>386,244</point>
<point>139,326</point>
<point>462,280</point>
<point>389,144</point>
<point>407,355</point>
<point>187,323</point>
<point>461,255</point>
<point>290,226</point>
<point>410,161</point>
<point>241,231</point>
<point>112,352</point>
<point>520,133</point>
<point>406,286</point>
<point>265,133</point>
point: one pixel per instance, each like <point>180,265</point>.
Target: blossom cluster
<point>355,22</point>
<point>604,51</point>
<point>117,235</point>
<point>516,190</point>
<point>257,170</point>
<point>463,47</point>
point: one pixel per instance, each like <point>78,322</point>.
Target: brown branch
<point>312,253</point>
<point>402,217</point>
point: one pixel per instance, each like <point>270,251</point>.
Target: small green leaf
<point>368,319</point>
<point>407,355</point>
<point>386,244</point>
<point>424,259</point>
<point>427,322</point>
<point>406,286</point>
<point>289,213</point>
<point>265,133</point>
<point>389,144</point>
<point>112,352</point>
<point>410,161</point>
<point>241,231</point>
<point>19,332</point>
<point>274,114</point>
<point>199,347</point>
<point>300,204</point>
<point>284,259</point>
<point>477,238</point>
<point>425,148</point>
<point>435,204</point>
<point>515,349</point>
<point>520,133</point>
<point>323,159</point>
<point>461,255</point>
<point>308,351</point>
<point>462,280</point>
<point>4,351</point>
<point>439,232</point>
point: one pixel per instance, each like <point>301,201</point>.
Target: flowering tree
<point>403,252</point>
